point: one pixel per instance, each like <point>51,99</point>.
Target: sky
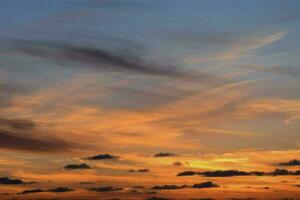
<point>114,99</point>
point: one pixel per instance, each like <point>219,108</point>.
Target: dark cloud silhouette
<point>29,141</point>
<point>168,187</point>
<point>104,189</point>
<point>77,166</point>
<point>139,170</point>
<point>103,157</point>
<point>281,172</point>
<point>207,184</point>
<point>164,154</point>
<point>229,173</point>
<point>10,181</point>
<point>31,191</point>
<point>188,173</point>
<point>93,57</point>
<point>293,162</point>
<point>60,189</point>
<point>224,173</point>
<point>246,198</point>
<point>158,198</point>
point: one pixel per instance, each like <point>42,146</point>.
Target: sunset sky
<point>113,99</point>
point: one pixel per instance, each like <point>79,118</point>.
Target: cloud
<point>77,166</point>
<point>207,184</point>
<point>188,173</point>
<point>286,107</point>
<point>104,189</point>
<point>168,187</point>
<point>28,141</point>
<point>57,189</point>
<point>92,57</point>
<point>103,157</point>
<point>230,173</point>
<point>293,162</point>
<point>164,154</point>
<point>60,189</point>
<point>9,181</point>
<point>245,47</point>
<point>31,191</point>
<point>202,199</point>
<point>139,170</point>
<point>224,173</point>
<point>158,198</point>
<point>17,123</point>
<point>278,70</point>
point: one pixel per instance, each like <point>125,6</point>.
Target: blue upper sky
<point>147,54</point>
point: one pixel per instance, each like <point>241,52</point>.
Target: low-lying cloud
<point>77,166</point>
<point>103,157</point>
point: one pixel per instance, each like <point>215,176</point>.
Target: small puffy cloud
<point>158,198</point>
<point>139,170</point>
<point>207,184</point>
<point>60,189</point>
<point>105,189</point>
<point>77,166</point>
<point>168,187</point>
<point>103,157</point>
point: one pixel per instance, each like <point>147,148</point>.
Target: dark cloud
<point>10,181</point>
<point>139,170</point>
<point>230,173</point>
<point>77,166</point>
<point>93,57</point>
<point>104,189</point>
<point>103,157</point>
<point>188,173</point>
<point>294,162</point>
<point>60,189</point>
<point>164,154</point>
<point>202,199</point>
<point>31,191</point>
<point>224,173</point>
<point>207,184</point>
<point>281,172</point>
<point>28,141</point>
<point>168,187</point>
<point>158,198</point>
